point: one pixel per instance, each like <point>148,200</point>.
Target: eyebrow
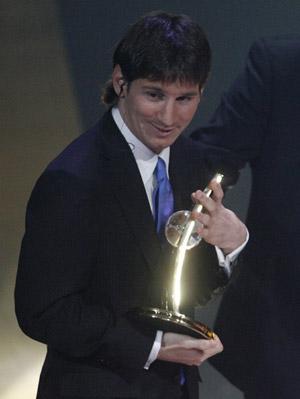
<point>159,89</point>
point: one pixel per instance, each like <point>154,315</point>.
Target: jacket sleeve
<point>240,122</point>
<point>57,259</point>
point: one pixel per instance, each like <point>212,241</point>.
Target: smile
<point>164,131</point>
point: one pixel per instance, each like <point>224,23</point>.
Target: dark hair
<point>162,47</point>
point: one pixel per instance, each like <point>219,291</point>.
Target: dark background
<point>55,57</point>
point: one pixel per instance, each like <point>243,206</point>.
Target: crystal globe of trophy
<point>181,231</point>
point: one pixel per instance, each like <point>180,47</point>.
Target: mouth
<point>165,131</point>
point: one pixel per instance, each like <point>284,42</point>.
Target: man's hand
<point>221,227</point>
<point>178,348</point>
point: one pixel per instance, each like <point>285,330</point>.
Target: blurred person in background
<point>258,321</point>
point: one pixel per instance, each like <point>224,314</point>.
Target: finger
<point>205,344</point>
<point>170,338</point>
<point>193,197</point>
<point>196,196</point>
<point>217,191</point>
<point>215,346</point>
<point>209,353</point>
<point>202,218</point>
<point>200,344</point>
<point>208,203</point>
<point>204,233</point>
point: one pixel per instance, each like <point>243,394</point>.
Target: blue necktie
<point>162,197</point>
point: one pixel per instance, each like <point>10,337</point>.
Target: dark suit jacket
<point>90,253</point>
<point>258,322</point>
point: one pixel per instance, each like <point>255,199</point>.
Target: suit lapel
<point>128,189</point>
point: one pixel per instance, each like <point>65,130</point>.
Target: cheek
<point>145,109</point>
<point>140,112</point>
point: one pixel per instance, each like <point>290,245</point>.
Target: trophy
<point>181,232</point>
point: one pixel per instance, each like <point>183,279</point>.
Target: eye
<point>154,95</point>
<point>184,98</point>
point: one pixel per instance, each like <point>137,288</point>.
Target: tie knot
<point>160,170</point>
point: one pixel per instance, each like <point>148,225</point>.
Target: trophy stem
<point>183,246</point>
<point>179,262</point>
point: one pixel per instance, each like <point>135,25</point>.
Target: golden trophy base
<point>170,321</point>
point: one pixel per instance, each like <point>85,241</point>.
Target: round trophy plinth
<point>170,321</point>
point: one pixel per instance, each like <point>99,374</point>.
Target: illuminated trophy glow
<point>181,232</point>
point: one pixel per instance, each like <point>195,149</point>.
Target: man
<point>258,322</point>
<point>92,248</point>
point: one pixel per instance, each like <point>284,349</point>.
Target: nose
<point>167,113</point>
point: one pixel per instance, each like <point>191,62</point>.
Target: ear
<point>118,81</point>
